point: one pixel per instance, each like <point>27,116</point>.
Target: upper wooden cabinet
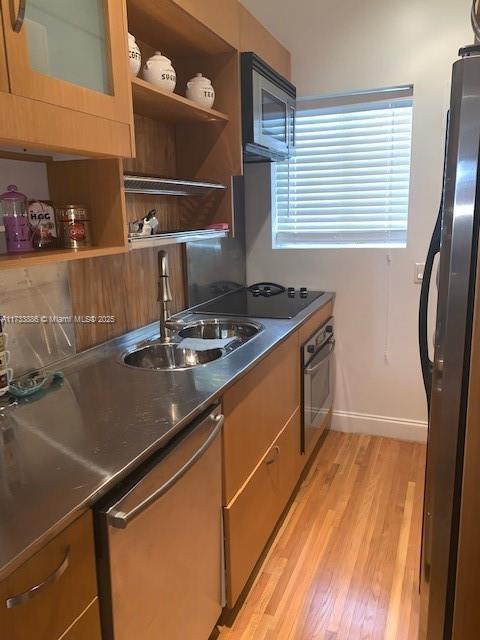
<point>67,62</point>
<point>64,54</point>
<point>221,16</point>
<point>255,37</point>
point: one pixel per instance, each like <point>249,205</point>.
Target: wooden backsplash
<point>124,286</point>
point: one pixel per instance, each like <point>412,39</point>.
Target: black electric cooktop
<point>261,300</point>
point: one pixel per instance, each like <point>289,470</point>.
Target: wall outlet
<point>418,275</point>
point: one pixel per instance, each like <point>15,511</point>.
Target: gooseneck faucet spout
<point>164,295</point>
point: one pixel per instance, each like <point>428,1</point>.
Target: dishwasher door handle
<point>121,519</point>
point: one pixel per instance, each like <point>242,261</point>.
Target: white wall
<point>341,47</point>
<point>30,177</point>
<point>40,290</point>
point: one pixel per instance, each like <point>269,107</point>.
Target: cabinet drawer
<point>256,409</point>
<point>254,512</point>
<point>87,627</point>
<point>66,570</point>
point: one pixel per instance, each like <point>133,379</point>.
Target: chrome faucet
<point>164,296</point>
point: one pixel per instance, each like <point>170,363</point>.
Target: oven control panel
<point>323,335</point>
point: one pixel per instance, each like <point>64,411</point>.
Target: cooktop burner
<point>261,300</point>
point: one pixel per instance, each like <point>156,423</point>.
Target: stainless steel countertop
<point>63,449</point>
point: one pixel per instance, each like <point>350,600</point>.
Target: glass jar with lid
<point>13,210</point>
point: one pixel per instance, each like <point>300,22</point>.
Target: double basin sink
<point>183,351</point>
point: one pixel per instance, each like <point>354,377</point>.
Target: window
<point>348,183</point>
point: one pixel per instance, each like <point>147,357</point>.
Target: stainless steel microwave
<point>268,112</point>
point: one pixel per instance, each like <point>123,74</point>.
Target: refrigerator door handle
<point>120,519</point>
<point>426,363</point>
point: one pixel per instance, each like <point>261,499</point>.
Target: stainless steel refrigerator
<point>447,378</point>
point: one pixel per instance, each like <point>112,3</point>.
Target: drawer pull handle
<point>20,17</point>
<point>21,598</point>
<point>276,450</point>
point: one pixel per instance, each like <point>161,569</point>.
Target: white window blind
<point>348,183</point>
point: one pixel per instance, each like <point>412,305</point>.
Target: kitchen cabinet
<point>43,598</point>
<point>99,184</point>
<point>255,37</point>
<point>253,514</point>
<point>262,458</point>
<point>67,64</point>
<point>70,54</point>
<point>221,16</point>
<point>256,408</point>
<point>204,144</point>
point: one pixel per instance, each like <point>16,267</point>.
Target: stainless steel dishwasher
<point>160,542</point>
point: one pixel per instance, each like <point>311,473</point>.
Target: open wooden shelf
<point>168,26</point>
<point>34,258</point>
<point>153,102</point>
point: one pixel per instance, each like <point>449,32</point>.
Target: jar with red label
<point>73,226</point>
<point>41,216</point>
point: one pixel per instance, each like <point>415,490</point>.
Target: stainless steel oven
<point>268,111</point>
<point>318,380</point>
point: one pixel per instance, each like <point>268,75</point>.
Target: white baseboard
<point>349,422</point>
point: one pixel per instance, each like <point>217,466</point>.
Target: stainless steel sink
<point>218,329</point>
<point>169,356</point>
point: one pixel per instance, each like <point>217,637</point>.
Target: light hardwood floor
<point>345,562</point>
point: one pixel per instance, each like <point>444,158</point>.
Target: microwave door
<point>271,115</point>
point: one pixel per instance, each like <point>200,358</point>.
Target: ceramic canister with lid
<point>200,89</point>
<point>73,226</point>
<point>134,55</point>
<point>159,71</point>
<point>13,210</point>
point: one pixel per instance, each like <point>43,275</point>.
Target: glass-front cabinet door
<point>72,53</point>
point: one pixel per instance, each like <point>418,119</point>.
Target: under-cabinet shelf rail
<point>176,237</point>
<point>168,186</point>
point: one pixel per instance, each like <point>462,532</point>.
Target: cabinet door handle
<point>21,598</point>
<point>17,22</point>
<point>276,450</point>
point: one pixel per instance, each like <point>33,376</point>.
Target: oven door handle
<point>328,349</point>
